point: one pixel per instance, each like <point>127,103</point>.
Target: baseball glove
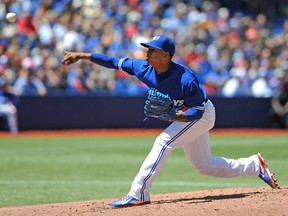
<point>159,106</point>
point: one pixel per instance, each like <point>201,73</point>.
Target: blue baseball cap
<point>161,42</point>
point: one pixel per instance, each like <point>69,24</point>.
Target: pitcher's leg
<point>199,153</point>
<point>176,135</point>
<point>149,170</point>
<point>161,150</point>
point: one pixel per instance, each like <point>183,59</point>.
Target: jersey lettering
<point>179,104</point>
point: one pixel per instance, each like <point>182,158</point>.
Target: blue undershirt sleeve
<point>105,60</point>
<point>194,114</point>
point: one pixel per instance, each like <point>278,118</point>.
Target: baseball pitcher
<point>176,96</point>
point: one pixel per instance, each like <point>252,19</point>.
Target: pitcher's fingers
<point>66,62</point>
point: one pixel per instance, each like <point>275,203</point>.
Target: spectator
<point>213,38</point>
<point>76,81</point>
<point>29,84</point>
<point>279,102</point>
<point>8,102</point>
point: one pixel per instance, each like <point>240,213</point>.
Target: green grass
<point>51,170</point>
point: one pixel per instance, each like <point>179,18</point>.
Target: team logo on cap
<point>156,37</point>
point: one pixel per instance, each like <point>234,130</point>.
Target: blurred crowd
<point>233,52</point>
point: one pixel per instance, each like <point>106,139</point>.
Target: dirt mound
<point>236,201</point>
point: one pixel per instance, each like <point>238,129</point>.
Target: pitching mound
<point>237,201</point>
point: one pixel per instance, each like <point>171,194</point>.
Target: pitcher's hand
<point>70,58</point>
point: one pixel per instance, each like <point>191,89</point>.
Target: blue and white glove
<point>160,106</point>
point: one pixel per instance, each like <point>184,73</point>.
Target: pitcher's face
<point>156,57</point>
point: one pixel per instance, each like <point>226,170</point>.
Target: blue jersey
<point>7,97</point>
<point>178,82</point>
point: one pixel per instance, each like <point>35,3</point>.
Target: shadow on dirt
<point>207,198</point>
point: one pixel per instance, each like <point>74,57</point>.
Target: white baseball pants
<point>193,137</point>
<point>9,111</point>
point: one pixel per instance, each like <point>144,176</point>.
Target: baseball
<point>11,17</point>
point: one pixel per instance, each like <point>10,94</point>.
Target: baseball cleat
<point>265,174</point>
<point>128,201</point>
